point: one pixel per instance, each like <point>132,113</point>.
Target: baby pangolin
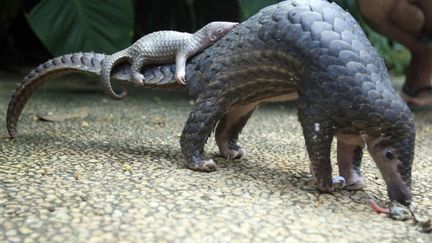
<point>162,47</point>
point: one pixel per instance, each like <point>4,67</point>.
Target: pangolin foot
<point>233,151</point>
<point>138,79</point>
<point>206,165</point>
<point>354,181</point>
<point>236,154</point>
<point>338,182</point>
<point>354,185</point>
<point>325,186</point>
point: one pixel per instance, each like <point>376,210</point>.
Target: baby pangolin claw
<point>181,78</point>
<point>138,79</point>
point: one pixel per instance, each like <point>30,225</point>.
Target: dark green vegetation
<point>82,25</point>
<point>32,31</point>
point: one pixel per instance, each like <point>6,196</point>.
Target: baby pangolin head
<point>216,30</point>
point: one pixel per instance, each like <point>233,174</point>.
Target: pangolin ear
<point>212,37</point>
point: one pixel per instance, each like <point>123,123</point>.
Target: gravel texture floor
<point>117,174</point>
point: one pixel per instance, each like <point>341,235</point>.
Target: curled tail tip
<point>107,65</point>
<point>123,94</point>
<point>106,84</point>
<point>119,96</point>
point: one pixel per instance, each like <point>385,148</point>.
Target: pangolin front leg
<point>318,136</point>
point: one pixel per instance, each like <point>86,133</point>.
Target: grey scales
<point>162,47</point>
<point>310,50</point>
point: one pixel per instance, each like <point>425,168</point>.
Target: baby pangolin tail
<point>107,65</point>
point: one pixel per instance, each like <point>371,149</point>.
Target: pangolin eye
<point>389,155</point>
<point>220,30</point>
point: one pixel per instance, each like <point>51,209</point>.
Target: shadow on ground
<point>119,174</point>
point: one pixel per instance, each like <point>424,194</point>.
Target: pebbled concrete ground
<point>117,174</point>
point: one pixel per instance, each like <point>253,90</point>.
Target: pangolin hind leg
<point>229,128</point>
<point>208,110</point>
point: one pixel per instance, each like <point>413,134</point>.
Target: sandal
<point>419,97</point>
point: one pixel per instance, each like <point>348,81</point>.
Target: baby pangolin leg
<point>229,128</point>
<point>137,64</point>
<point>180,74</point>
<point>181,58</point>
<point>349,162</point>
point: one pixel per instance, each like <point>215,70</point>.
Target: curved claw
<point>181,78</point>
<point>240,153</point>
<point>205,165</point>
<point>138,78</point>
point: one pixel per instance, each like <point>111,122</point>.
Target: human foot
<point>417,96</point>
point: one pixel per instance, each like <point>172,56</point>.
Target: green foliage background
<point>66,26</point>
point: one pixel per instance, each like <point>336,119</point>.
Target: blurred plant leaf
<point>66,26</point>
<point>396,56</point>
<point>250,7</point>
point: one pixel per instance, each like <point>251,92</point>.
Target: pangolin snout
<point>399,193</point>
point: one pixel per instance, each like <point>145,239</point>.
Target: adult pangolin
<point>312,50</point>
